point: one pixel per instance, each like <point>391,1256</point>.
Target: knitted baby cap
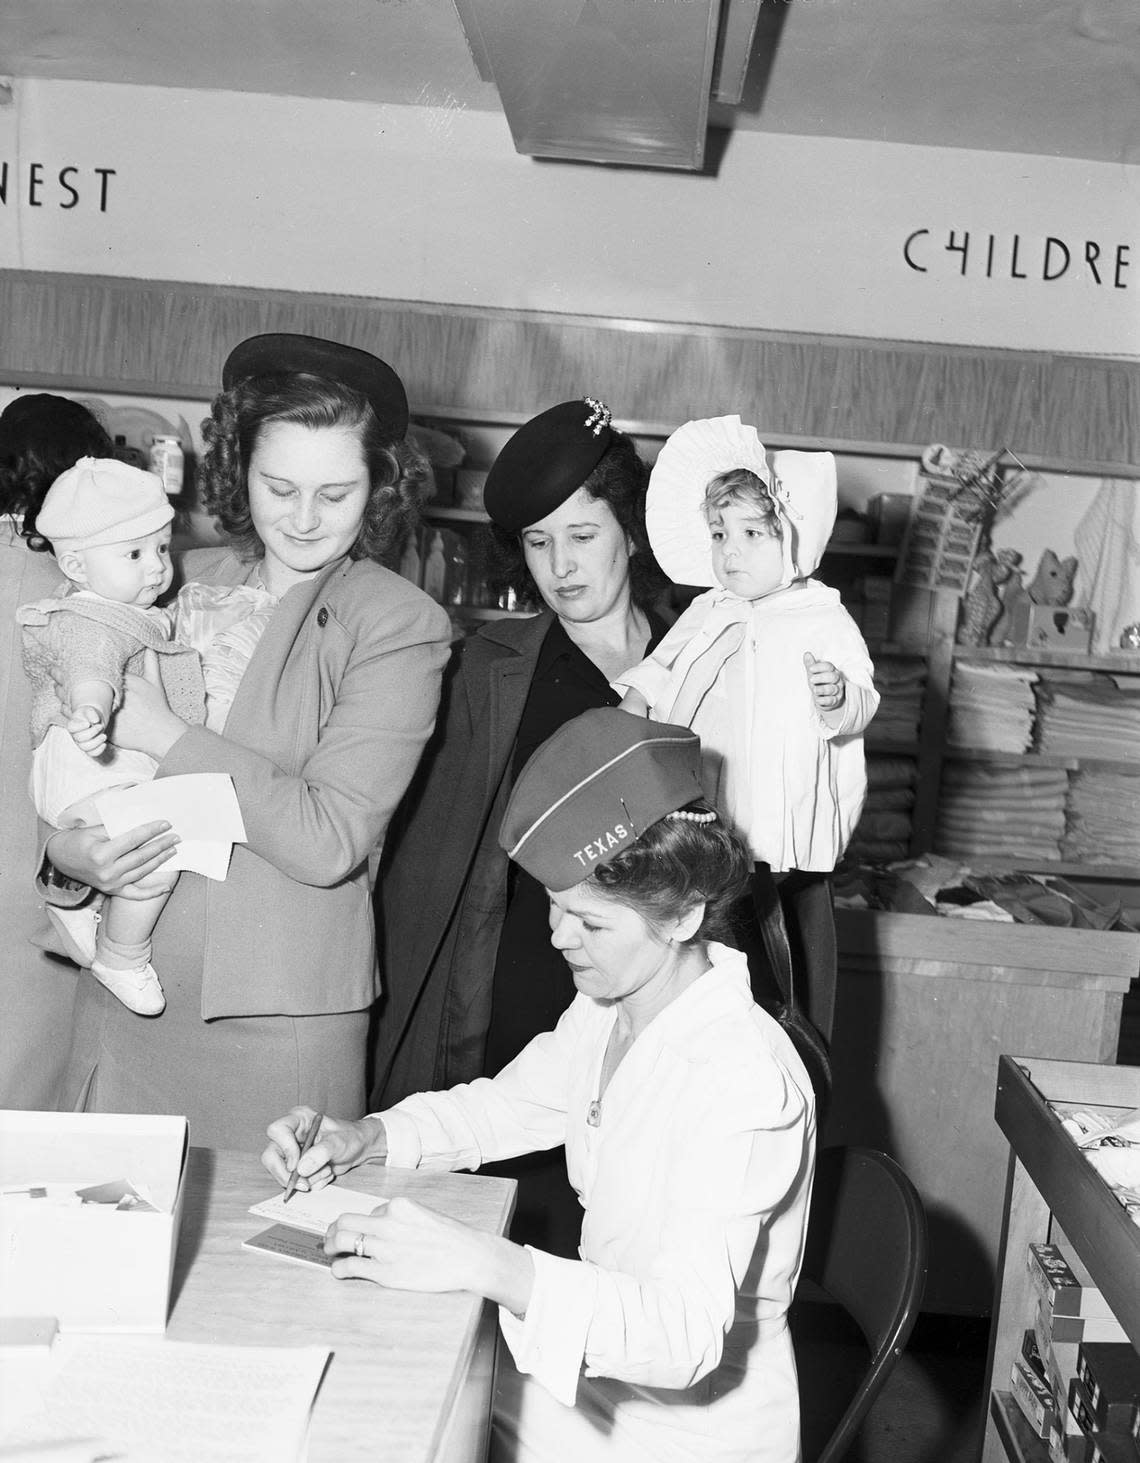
<point>102,501</point>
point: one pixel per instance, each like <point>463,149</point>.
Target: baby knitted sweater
<point>82,637</point>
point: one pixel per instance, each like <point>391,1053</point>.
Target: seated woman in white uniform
<point>689,1126</point>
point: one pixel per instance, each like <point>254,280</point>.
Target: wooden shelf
<point>1051,1186</point>
<point>450,514</point>
<point>1056,659</point>
<point>480,612</point>
<point>1095,1221</point>
<point>454,515</point>
<point>1128,873</point>
<point>899,648</point>
<point>1041,759</point>
<point>1104,764</point>
<point>862,551</point>
<point>1012,759</point>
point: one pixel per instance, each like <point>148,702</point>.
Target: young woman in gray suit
<point>269,975</point>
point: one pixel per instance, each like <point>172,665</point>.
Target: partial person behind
<point>41,435</point>
<point>768,667</point>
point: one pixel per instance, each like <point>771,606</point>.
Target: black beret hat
<point>36,412</point>
<point>545,462</point>
<point>276,355</point>
<point>593,788</point>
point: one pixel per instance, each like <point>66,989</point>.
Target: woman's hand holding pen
<point>339,1146</point>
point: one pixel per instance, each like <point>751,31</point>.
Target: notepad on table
<point>315,1210</point>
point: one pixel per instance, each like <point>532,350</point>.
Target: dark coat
<point>442,893</point>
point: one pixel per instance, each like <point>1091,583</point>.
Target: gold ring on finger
<point>358,1246</point>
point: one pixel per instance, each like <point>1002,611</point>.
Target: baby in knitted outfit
<point>109,527</point>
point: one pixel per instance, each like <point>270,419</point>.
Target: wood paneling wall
<point>159,338</point>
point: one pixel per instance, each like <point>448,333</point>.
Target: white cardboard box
<point>93,1267</point>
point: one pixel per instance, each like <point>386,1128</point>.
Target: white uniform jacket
<point>669,1334</point>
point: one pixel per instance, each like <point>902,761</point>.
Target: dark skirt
<point>230,1077</point>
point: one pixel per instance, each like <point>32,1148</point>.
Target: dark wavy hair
<point>619,480</point>
<point>675,864</point>
<point>399,474</point>
<point>41,436</point>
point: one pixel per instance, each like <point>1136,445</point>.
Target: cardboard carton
<point>93,1266</point>
<point>1064,1284</point>
<point>1110,1372</point>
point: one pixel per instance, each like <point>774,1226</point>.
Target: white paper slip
<point>201,807</point>
<point>315,1211</point>
<point>157,1401</point>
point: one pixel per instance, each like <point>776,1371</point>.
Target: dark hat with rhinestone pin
<point>286,355</point>
<point>546,461</point>
<point>593,788</point>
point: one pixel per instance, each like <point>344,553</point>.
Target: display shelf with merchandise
<point>1052,1191</point>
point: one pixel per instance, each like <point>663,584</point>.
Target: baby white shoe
<point>139,990</point>
<point>76,929</point>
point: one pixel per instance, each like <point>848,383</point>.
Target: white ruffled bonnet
<point>802,484</point>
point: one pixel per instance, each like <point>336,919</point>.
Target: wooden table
<point>411,1374</point>
<point>924,1008</point>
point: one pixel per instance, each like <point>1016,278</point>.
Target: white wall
<point>802,234</point>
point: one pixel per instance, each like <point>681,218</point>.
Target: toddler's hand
<point>826,681</point>
<point>88,730</point>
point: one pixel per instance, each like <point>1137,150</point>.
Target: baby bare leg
<point>122,952</point>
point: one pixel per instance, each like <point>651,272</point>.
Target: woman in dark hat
<point>469,972</point>
<point>688,1122</point>
<point>272,972</point>
<point>41,436</point>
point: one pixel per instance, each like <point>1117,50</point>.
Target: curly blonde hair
<point>398,473</point>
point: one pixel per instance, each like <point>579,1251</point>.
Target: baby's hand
<point>88,730</point>
<point>826,681</point>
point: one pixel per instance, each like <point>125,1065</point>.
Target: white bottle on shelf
<point>166,462</point>
<point>435,570</point>
<point>411,566</point>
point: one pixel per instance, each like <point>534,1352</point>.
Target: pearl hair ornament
<point>690,817</point>
<point>599,417</point>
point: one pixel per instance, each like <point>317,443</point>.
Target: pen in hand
<point>310,1139</point>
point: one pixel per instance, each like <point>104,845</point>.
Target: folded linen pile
<point>991,707</point>
<point>1090,716</point>
<point>883,832</point>
<point>901,682</point>
<point>1001,812</point>
<point>1103,818</point>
